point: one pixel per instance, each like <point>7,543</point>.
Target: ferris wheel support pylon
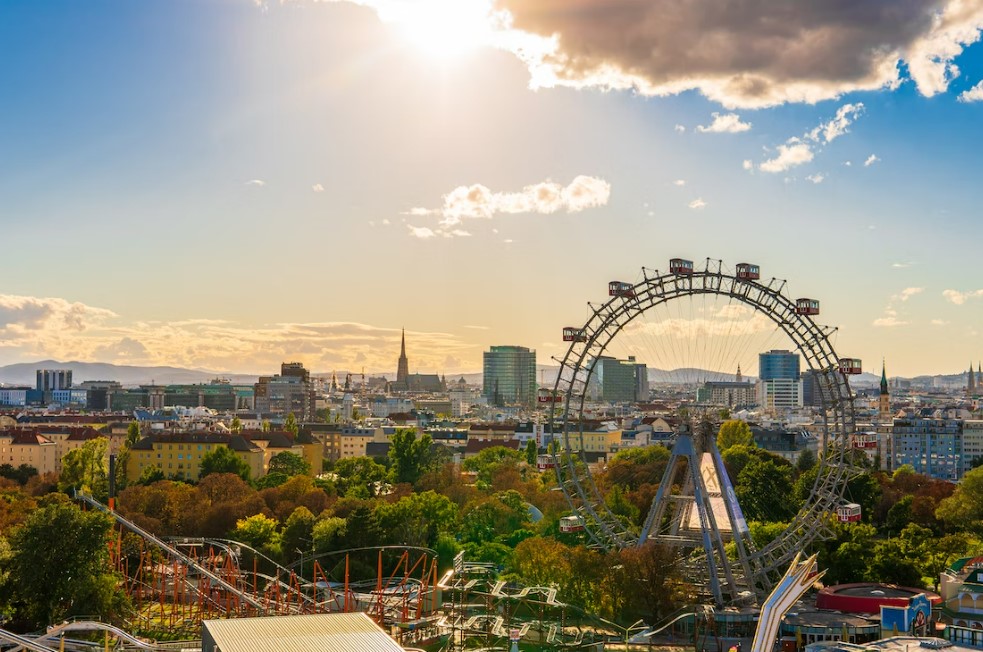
<point>793,317</point>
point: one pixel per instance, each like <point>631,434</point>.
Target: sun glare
<point>448,28</point>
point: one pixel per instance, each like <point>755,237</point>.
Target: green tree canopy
<point>495,517</point>
<point>328,533</point>
<point>409,457</point>
<point>20,475</point>
<point>236,426</point>
<point>963,510</point>
<point>224,460</point>
<point>359,477</point>
<point>59,565</point>
<point>132,433</point>
<point>806,460</point>
<point>290,424</point>
<point>417,519</point>
<point>532,452</point>
<point>258,531</point>
<point>87,468</point>
<point>734,433</point>
<point>735,459</point>
<point>150,475</point>
<point>491,459</point>
<point>298,531</point>
<point>764,489</point>
<point>634,467</point>
<point>271,480</point>
<point>290,464</point>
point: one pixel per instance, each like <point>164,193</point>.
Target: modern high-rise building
<point>51,379</point>
<point>510,375</point>
<point>619,381</point>
<point>289,392</point>
<point>779,383</point>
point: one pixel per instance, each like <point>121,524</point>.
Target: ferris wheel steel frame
<point>812,342</point>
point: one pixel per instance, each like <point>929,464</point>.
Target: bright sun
<point>447,28</point>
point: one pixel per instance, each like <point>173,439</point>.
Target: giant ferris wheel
<point>672,315</point>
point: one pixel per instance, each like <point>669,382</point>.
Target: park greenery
<point>53,560</point>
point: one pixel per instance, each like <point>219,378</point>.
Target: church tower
<point>403,367</point>
<point>970,382</point>
<point>884,406</point>
<point>738,378</point>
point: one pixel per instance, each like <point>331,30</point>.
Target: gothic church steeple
<point>403,366</point>
<point>884,404</point>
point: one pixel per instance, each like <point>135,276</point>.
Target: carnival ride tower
<point>702,517</point>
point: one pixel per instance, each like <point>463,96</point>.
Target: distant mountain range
<point>127,375</point>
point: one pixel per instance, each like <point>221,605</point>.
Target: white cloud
<point>386,222</point>
<point>901,265</point>
<point>888,322</point>
<point>26,317</point>
<point>317,187</point>
<point>798,151</point>
<point>259,183</point>
<point>460,233</point>
<point>816,178</point>
<point>680,129</point>
<point>479,202</point>
<point>827,132</point>
<point>959,298</point>
<point>974,94</point>
<point>697,204</point>
<point>679,182</point>
<point>421,232</point>
<point>939,322</point>
<point>907,293</point>
<point>218,344</point>
<point>848,163</point>
<point>725,123</point>
<point>33,328</point>
<point>793,154</point>
<point>747,164</point>
<point>871,160</point>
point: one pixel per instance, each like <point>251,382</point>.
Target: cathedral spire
<point>883,377</point>
<point>970,382</point>
<point>403,366</point>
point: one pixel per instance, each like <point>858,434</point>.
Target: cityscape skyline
<point>230,185</point>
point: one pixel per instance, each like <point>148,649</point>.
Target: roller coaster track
<point>23,643</point>
<point>85,625</point>
<point>217,580</point>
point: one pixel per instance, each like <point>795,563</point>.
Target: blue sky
<point>227,184</point>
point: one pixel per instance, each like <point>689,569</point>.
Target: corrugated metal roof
<point>352,632</point>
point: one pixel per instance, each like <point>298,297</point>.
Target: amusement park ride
<point>706,516</point>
